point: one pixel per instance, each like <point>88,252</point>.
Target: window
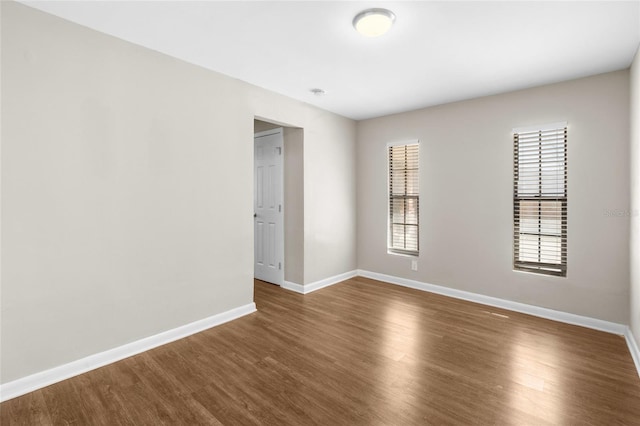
<point>540,200</point>
<point>404,198</point>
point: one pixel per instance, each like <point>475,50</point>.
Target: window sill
<point>399,253</point>
<point>539,274</point>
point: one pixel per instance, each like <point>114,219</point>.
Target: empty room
<point>320,213</point>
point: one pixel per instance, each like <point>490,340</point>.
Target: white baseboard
<point>39,380</point>
<point>298,288</point>
<point>45,378</point>
<point>596,324</point>
<point>633,348</point>
<point>308,288</point>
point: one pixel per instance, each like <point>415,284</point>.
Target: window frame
<point>540,267</point>
<point>390,197</point>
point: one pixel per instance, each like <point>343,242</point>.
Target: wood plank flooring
<point>360,352</point>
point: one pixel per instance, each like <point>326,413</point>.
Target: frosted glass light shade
<point>373,22</point>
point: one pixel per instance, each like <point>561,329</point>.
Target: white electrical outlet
<point>414,265</point>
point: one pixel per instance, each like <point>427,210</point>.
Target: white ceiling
<point>437,52</point>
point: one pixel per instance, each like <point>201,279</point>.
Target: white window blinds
<point>540,201</point>
<point>404,198</point>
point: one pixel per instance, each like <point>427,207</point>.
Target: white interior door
<point>268,208</point>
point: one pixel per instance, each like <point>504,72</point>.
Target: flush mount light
<point>373,22</point>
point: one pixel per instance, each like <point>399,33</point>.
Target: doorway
<point>292,202</point>
<point>268,212</point>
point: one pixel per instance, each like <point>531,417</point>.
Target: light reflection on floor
<point>402,343</point>
<point>532,371</point>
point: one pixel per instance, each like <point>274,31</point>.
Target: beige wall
<point>466,195</point>
<point>294,205</point>
<point>127,191</point>
<point>263,126</point>
<point>635,198</point>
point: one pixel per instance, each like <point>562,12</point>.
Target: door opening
<point>268,206</point>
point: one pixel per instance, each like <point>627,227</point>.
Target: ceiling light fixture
<point>373,22</point>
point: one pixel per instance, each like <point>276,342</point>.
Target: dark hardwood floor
<point>358,353</point>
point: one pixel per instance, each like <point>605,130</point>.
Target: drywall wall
<point>263,126</point>
<point>294,205</point>
<point>466,160</point>
<point>127,191</point>
<point>634,212</point>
